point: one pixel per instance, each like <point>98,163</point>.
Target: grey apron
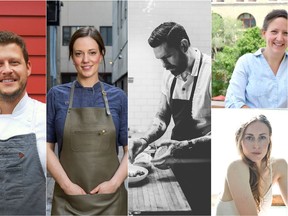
<point>22,180</point>
<point>89,158</point>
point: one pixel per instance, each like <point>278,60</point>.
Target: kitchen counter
<point>159,193</point>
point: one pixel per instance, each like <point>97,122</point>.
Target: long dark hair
<point>90,32</point>
<point>254,178</point>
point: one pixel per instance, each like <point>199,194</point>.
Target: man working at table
<point>185,96</point>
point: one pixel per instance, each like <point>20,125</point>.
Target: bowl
<point>136,173</point>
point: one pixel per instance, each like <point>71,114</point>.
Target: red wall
<point>28,19</point>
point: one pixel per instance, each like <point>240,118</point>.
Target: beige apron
<point>89,158</point>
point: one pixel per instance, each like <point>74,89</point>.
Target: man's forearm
<point>157,129</point>
<point>199,140</point>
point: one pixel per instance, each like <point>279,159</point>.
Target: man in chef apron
<point>185,96</point>
<point>22,134</point>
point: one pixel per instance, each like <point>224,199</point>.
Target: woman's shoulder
<point>237,165</point>
<point>279,165</point>
<point>113,90</point>
<point>237,170</point>
<point>62,88</point>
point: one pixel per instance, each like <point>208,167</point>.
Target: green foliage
<point>251,41</point>
<point>225,60</point>
<point>224,32</point>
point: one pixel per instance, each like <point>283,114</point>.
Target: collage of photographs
<point>144,107</point>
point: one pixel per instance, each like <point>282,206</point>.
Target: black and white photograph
<point>169,107</point>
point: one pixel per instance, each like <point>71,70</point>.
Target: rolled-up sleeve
<point>51,132</point>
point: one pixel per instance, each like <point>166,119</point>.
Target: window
<point>67,32</point>
<point>248,20</point>
<point>106,33</point>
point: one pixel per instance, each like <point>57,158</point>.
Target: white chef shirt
<point>29,116</point>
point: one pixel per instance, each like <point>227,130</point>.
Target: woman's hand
<point>104,188</point>
<point>74,189</point>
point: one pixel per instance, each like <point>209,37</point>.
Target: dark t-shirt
<point>58,102</point>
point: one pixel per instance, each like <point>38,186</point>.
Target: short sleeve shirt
<point>201,104</point>
<point>58,102</point>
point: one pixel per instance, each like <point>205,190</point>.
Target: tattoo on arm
<point>199,140</point>
<point>160,123</point>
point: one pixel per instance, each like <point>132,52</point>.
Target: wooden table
<point>158,193</point>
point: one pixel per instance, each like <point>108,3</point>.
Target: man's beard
<point>181,67</point>
<point>14,95</point>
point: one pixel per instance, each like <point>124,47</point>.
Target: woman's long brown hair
<point>254,178</point>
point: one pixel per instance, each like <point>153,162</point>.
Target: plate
<point>133,169</point>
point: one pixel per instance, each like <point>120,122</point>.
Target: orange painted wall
<point>28,19</point>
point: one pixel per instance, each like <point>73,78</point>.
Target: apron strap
<point>104,94</point>
<point>196,78</point>
<point>71,95</point>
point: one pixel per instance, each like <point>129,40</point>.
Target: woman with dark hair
<point>259,80</point>
<point>88,120</point>
<point>248,184</point>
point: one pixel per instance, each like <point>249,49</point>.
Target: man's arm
<point>160,122</point>
<point>198,140</point>
<point>158,128</point>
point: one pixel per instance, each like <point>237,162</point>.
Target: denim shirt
<point>58,101</point>
<point>254,84</point>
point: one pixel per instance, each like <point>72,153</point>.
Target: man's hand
<point>136,147</point>
<point>163,160</point>
<point>173,144</point>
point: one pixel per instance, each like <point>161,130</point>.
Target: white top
<point>229,207</point>
<point>29,116</point>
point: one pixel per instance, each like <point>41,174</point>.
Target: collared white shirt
<point>24,121</point>
<point>201,105</point>
<point>254,84</point>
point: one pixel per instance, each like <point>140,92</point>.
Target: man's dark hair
<point>7,37</point>
<point>169,32</point>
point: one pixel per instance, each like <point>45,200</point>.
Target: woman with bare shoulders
<point>248,183</point>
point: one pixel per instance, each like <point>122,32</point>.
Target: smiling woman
<point>259,80</point>
<point>88,127</point>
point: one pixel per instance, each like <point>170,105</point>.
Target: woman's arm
<point>120,175</point>
<point>238,182</point>
<point>58,173</point>
<point>282,179</point>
